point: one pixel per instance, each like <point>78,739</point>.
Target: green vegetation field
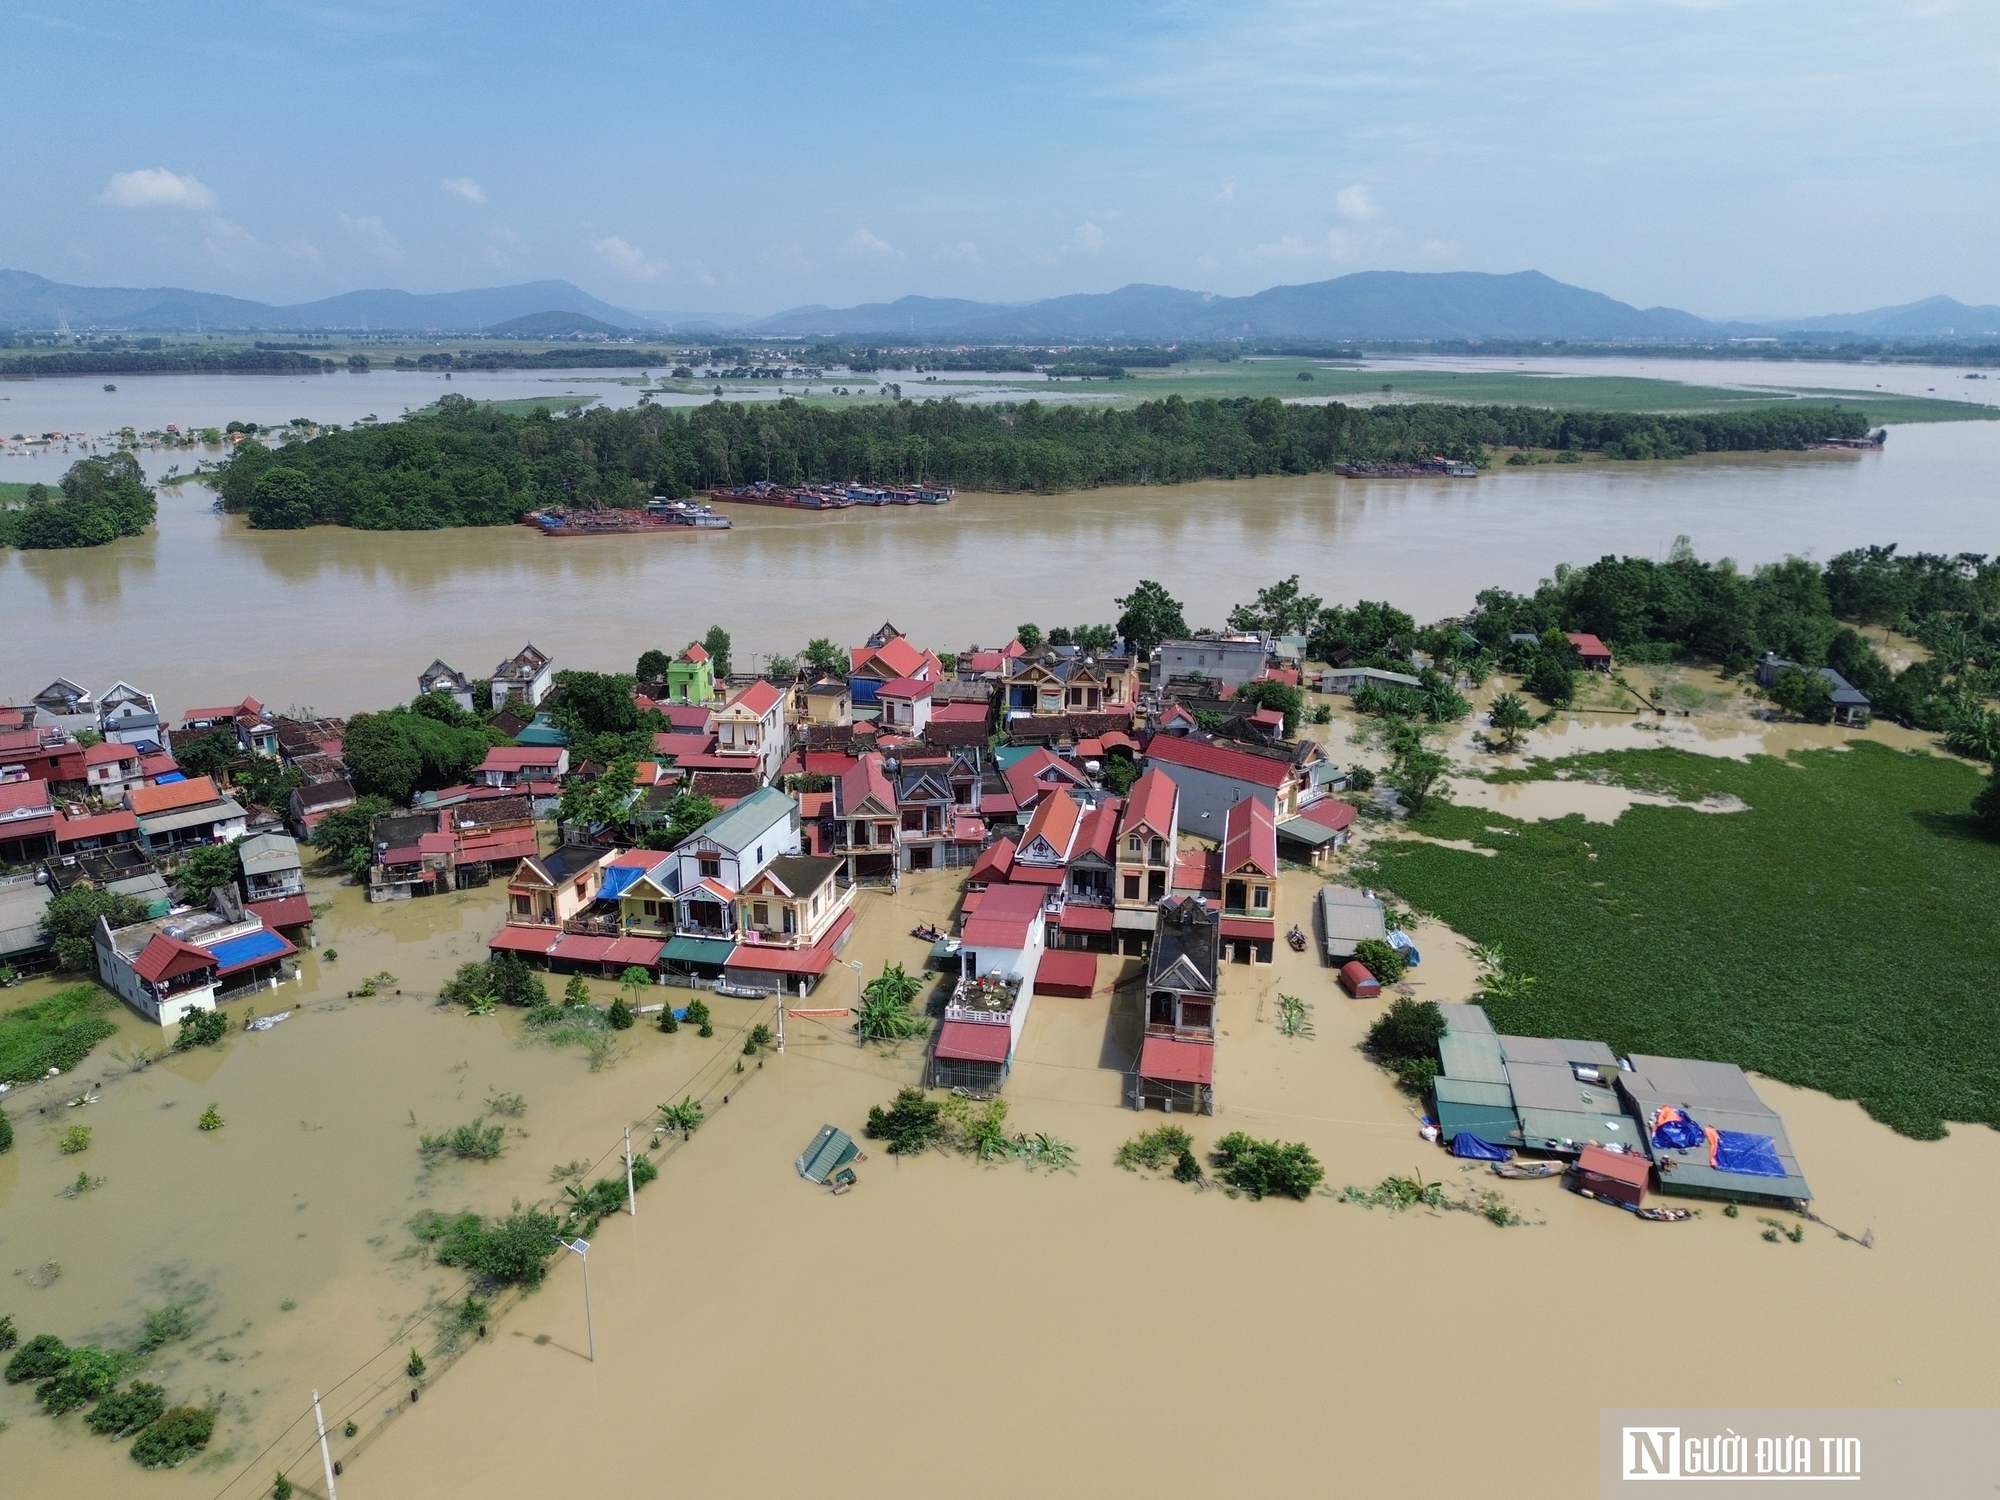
<point>1620,393</point>
<point>1838,935</point>
<point>55,1032</point>
<point>13,494</point>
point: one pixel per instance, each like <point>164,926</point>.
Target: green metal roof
<point>696,950</point>
<point>1473,1056</point>
<point>830,1150</point>
<point>741,826</point>
<point>1484,1109</point>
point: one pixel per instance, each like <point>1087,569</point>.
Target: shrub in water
<point>1384,960</point>
<point>669,1022</point>
<point>1264,1168</point>
<point>9,1335</point>
<point>75,1139</point>
<point>281,1488</point>
<point>621,1015</point>
<point>175,1438</point>
<point>122,1413</point>
<point>88,1374</point>
<point>1155,1148</point>
<point>699,1017</point>
<point>211,1119</point>
<point>1408,1028</point>
<point>415,1368</point>
<point>201,1028</point>
<point>910,1124</point>
<point>6,1135</point>
<point>41,1357</point>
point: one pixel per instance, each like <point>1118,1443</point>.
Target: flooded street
<point>344,620</point>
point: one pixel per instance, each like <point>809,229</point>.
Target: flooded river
<point>342,620</point>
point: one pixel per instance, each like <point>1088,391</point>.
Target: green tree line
<point>97,501</point>
<point>467,464</point>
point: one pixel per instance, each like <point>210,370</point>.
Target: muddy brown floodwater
<point>944,1325</point>
<point>344,620</point>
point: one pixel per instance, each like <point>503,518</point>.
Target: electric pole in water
<point>631,1199</point>
<point>325,1458</point>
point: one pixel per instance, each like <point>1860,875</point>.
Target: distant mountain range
<point>1369,305</point>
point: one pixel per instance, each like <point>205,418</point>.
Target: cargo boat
<point>1455,468</point>
<point>832,496</point>
<point>660,515</point>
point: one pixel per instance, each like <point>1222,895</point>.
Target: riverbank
<point>472,596</point>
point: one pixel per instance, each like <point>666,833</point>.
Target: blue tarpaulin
<point>251,948</point>
<point>1751,1155</point>
<point>1677,1130</point>
<point>617,881</point>
<point>1465,1143</point>
<point>1400,940</point>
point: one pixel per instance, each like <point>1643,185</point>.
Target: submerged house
<point>168,966</point>
<point>1176,1064</point>
<point>1143,854</point>
<point>792,918</point>
<point>1000,950</point>
<point>1348,917</point>
<point>1249,882</point>
<point>1707,1133</point>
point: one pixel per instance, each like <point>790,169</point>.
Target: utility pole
<point>781,1018</point>
<point>325,1458</point>
<point>582,1248</point>
<point>631,1199</point>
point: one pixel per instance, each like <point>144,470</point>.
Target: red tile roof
<point>1329,812</point>
<point>905,687</point>
<point>196,790</point>
<point>1151,804</point>
<point>1250,929</point>
<point>1199,872</point>
<point>282,911</point>
<point>686,718</point>
<point>1219,760</point>
<point>759,698</point>
<point>102,825</point>
<point>973,1041</point>
<point>1068,972</point>
<point>694,653</point>
<point>1249,839</point>
<point>1100,828</point>
<point>518,758</point>
<point>864,780</point>
<point>165,958</point>
<point>960,713</point>
<point>980,661</point>
<point>993,865</point>
<point>1055,821</point>
<point>109,752</point>
<point>1085,919</point>
<point>524,940</point>
<point>815,960</point>
<point>17,795</point>
<point>896,655</point>
<point>1620,1166</point>
<point>1177,1062</point>
<point>1006,918</point>
<point>1588,645</point>
<point>1032,775</point>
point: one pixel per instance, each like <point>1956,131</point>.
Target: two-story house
<point>1249,882</point>
<point>937,803</point>
<point>1176,1066</point>
<point>525,676</point>
<point>1064,679</point>
<point>271,867</point>
<point>905,705</point>
<point>867,831</point>
<point>716,861</point>
<point>691,676</point>
<point>792,917</point>
<point>130,716</point>
<point>67,706</point>
<point>1086,914</point>
<point>889,656</point>
<point>828,703</point>
<point>750,729</point>
<point>1214,775</point>
<point>645,891</point>
<point>548,890</point>
<point>1230,660</point>
<point>180,814</point>
<point>448,680</point>
<point>1148,839</point>
<point>522,765</point>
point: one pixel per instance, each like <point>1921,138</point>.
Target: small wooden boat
<point>1527,1169</point>
<point>1663,1215</point>
<point>1296,938</point>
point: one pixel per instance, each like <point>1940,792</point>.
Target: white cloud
<point>376,234</point>
<point>1089,237</point>
<point>1227,192</point>
<point>155,187</point>
<point>1356,205</point>
<point>466,188</point>
<point>1286,247</point>
<point>861,242</point>
<point>628,259</point>
<point>964,253</point>
<point>1439,250</point>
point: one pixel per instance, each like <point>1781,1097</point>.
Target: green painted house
<point>691,677</point>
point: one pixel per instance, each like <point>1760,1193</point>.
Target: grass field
<point>1838,935</point>
<point>12,493</point>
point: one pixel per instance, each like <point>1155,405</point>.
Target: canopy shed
<point>832,1149</point>
<point>1482,1109</point>
<point>1743,1151</point>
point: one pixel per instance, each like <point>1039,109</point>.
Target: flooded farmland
<point>939,1291</point>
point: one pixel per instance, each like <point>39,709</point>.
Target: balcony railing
<point>1181,1033</point>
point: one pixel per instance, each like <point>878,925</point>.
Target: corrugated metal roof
<point>1473,1057</point>
<point>1173,1061</point>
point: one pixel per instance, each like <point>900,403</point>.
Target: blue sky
<point>1731,159</point>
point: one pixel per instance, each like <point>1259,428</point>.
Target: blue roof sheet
<point>251,948</point>
<point>617,881</point>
